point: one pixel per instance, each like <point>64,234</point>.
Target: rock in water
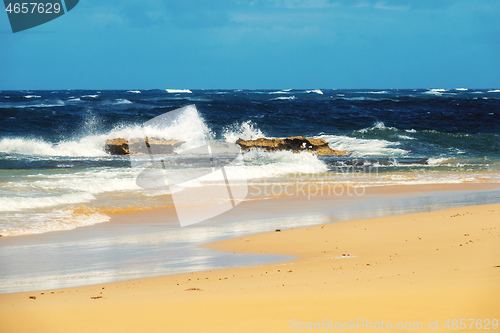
<point>296,144</point>
<point>121,146</point>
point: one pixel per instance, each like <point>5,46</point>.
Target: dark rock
<point>139,146</point>
<point>295,144</point>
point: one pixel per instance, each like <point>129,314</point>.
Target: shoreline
<point>151,243</point>
<point>426,266</point>
<point>128,215</point>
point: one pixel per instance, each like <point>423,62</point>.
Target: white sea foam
<point>74,99</point>
<point>261,164</point>
<point>122,101</point>
<point>494,91</point>
<point>179,91</point>
<point>246,130</point>
<point>363,147</point>
<point>437,160</point>
<point>14,204</point>
<point>317,91</point>
<point>281,98</point>
<point>134,91</point>
<point>32,96</point>
<point>405,137</point>
<point>461,89</point>
<point>285,91</point>
<point>377,92</point>
<point>437,92</point>
<point>378,125</point>
<point>92,145</point>
<point>54,103</point>
<point>90,96</point>
<point>56,220</point>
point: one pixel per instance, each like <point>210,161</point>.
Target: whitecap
<point>134,91</point>
<point>494,91</point>
<point>179,91</point>
<point>317,91</point>
<point>32,96</point>
<point>437,92</point>
<point>284,91</point>
<point>283,98</point>
<point>122,101</point>
<point>378,125</point>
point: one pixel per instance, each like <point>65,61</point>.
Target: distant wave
<point>41,105</point>
<point>285,91</point>
<point>317,91</point>
<point>122,101</point>
<point>281,98</point>
<point>436,92</point>
<point>134,91</point>
<point>179,91</point>
<point>377,92</point>
<point>32,96</point>
<point>89,96</point>
<point>494,91</point>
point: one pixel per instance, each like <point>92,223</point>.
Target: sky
<point>257,44</point>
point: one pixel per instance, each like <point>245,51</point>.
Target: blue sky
<point>215,44</point>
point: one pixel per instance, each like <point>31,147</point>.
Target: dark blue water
<point>437,122</point>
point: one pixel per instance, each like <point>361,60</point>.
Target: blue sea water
<point>56,175</point>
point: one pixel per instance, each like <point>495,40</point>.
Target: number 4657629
<point>485,324</point>
<point>33,7</point>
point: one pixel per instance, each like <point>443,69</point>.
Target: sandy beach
<point>417,270</point>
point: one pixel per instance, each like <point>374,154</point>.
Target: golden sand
<point>419,268</point>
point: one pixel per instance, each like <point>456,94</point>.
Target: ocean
<point>56,175</point>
